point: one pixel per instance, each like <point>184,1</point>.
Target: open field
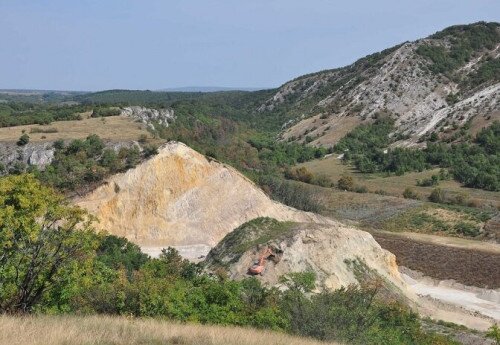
<point>333,168</point>
<point>467,266</point>
<point>105,330</point>
<point>371,211</point>
<point>114,128</point>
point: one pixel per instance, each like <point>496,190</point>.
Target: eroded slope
<point>180,198</point>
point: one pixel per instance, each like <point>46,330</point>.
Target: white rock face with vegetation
<point>339,255</point>
<point>150,116</point>
<point>399,81</point>
<point>38,154</point>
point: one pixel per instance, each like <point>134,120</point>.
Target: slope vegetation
<point>438,82</point>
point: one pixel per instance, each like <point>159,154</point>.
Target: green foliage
<point>467,229</point>
<point>352,316</point>
<point>85,162</point>
<point>475,164</point>
<point>428,182</point>
<point>437,195</point>
<point>23,140</point>
<point>105,111</point>
<point>20,113</point>
<point>464,41</point>
<point>41,238</point>
<point>487,72</point>
<point>366,137</point>
<point>300,281</point>
<point>409,193</point>
<point>494,333</point>
<point>452,98</point>
<point>118,253</point>
<point>290,193</point>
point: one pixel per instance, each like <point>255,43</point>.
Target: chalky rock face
<point>332,251</point>
<point>38,154</point>
<point>149,116</point>
<point>180,198</point>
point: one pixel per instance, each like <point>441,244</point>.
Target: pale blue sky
<point>154,44</point>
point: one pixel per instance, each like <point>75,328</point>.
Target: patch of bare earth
<point>467,266</point>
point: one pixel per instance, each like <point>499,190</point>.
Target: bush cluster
<point>82,163</point>
<point>475,163</point>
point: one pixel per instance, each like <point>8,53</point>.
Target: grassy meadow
<point>107,330</point>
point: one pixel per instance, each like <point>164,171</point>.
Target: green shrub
<point>299,174</point>
<point>467,229</point>
<point>437,195</point>
<point>409,193</point>
<point>360,189</point>
<point>494,334</point>
<point>432,181</point>
<point>345,183</point>
<point>23,140</point>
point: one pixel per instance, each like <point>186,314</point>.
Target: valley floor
<point>97,330</point>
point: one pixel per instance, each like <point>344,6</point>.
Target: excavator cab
<point>259,265</point>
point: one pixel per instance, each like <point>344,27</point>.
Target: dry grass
<point>114,128</point>
<point>393,185</point>
<point>94,330</point>
<point>330,130</point>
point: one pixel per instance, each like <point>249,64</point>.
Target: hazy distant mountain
<point>211,89</point>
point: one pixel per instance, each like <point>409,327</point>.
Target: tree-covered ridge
<point>53,262</point>
<point>475,163</point>
<point>19,113</point>
<point>81,164</point>
<point>453,47</point>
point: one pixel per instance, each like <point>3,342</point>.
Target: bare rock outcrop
<point>181,198</point>
<point>41,154</point>
<point>150,116</point>
<point>38,154</point>
<point>402,82</point>
<point>339,255</point>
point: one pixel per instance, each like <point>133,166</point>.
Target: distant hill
<point>26,95</point>
<point>436,84</point>
<point>211,89</point>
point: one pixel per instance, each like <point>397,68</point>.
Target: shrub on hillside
<point>409,193</point>
<point>299,174</point>
<point>346,183</point>
<point>438,196</point>
<point>23,140</point>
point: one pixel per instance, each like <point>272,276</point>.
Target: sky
<point>90,45</point>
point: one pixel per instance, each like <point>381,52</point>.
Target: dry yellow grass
<point>114,128</point>
<point>95,330</point>
<point>330,130</point>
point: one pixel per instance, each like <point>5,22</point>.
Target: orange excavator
<point>259,265</point>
